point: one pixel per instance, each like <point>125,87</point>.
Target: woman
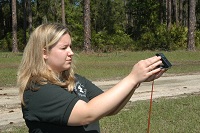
<point>54,99</point>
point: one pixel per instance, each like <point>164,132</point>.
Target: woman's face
<point>59,57</point>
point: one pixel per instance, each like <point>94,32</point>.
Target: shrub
<point>6,43</point>
<point>197,39</point>
<point>104,42</point>
<point>162,39</point>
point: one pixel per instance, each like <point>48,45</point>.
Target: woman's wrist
<point>138,85</point>
<point>132,80</point>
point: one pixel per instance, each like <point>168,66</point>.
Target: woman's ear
<point>45,56</point>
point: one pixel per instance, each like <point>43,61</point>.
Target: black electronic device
<point>166,63</point>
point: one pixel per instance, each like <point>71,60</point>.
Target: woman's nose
<point>70,53</point>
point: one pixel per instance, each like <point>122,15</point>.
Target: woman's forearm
<point>124,102</point>
<point>114,99</point>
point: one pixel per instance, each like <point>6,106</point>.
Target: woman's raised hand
<point>147,70</point>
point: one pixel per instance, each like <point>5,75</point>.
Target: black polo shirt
<point>47,110</point>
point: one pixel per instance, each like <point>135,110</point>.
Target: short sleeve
<point>50,103</point>
<point>92,89</point>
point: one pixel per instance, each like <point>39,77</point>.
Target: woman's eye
<point>63,48</point>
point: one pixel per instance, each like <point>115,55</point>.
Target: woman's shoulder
<point>46,91</point>
<point>46,88</point>
<point>80,78</point>
<point>46,85</point>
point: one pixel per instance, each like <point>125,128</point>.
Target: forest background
<point>107,25</point>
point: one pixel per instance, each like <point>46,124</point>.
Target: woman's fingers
<point>155,74</point>
<point>145,70</point>
<point>154,66</point>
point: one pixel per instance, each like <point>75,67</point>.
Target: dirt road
<point>166,86</point>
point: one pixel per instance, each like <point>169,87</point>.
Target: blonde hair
<point>33,69</point>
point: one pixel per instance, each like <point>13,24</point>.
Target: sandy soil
<point>166,86</point>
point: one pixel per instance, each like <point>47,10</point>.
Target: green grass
<point>9,63</point>
<point>15,129</point>
<point>181,115</point>
<point>116,65</point>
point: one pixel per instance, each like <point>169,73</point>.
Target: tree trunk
<point>126,13</point>
<point>14,27</point>
<point>87,25</point>
<point>30,18</point>
<point>161,14</point>
<point>181,12</point>
<point>169,12</point>
<point>25,23</point>
<point>185,13</point>
<point>63,12</point>
<point>166,9</point>
<point>175,11</point>
<point>191,26</point>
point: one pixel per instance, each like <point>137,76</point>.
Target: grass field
<point>181,115</point>
<point>117,65</point>
<point>105,66</point>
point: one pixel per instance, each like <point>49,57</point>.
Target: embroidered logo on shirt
<point>80,89</point>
